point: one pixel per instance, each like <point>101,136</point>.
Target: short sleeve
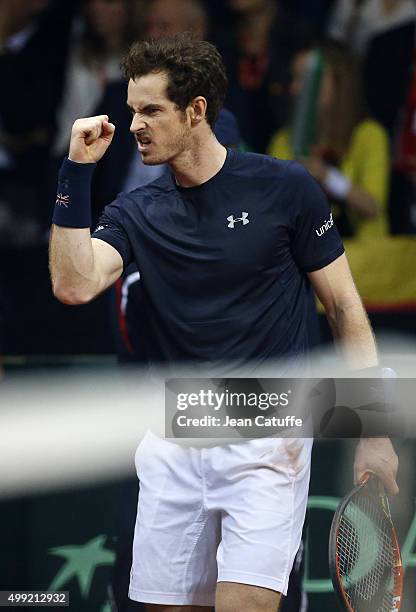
<point>110,229</point>
<point>315,238</point>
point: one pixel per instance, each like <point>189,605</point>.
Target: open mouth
<point>143,142</point>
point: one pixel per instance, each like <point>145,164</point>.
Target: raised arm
<point>336,290</point>
<point>81,267</point>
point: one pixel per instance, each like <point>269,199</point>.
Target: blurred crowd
<point>329,82</point>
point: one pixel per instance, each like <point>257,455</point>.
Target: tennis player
<point>225,245</point>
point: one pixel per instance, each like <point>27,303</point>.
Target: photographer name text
<point>257,421</point>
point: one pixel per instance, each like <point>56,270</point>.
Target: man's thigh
<point>264,502</point>
<point>176,539</point>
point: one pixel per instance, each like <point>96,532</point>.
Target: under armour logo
<point>244,219</point>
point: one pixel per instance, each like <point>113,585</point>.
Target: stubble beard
<point>172,149</point>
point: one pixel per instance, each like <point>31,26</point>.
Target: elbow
<point>70,296</point>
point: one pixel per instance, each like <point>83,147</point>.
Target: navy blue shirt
<point>223,264</point>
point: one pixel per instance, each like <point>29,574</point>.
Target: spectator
<point>357,22</point>
<point>403,180</point>
<point>169,17</point>
<point>381,33</point>
<point>257,55</point>
<point>34,38</point>
<point>316,11</point>
<point>94,85</point>
<point>348,153</point>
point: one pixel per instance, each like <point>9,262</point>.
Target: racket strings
<point>365,556</point>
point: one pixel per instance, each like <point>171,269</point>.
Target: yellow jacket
<point>366,164</point>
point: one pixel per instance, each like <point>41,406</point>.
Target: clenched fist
<point>90,139</point>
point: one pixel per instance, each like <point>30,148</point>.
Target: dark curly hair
<point>194,68</point>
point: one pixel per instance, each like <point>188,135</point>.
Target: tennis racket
<point>364,553</point>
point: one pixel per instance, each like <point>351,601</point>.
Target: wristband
<point>73,198</point>
<point>382,388</point>
<point>337,184</point>
<point>386,399</point>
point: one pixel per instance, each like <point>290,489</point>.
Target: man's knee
<point>234,597</point>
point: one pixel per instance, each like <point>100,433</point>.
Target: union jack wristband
<point>73,198</point>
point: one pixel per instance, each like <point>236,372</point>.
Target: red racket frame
<point>333,552</point>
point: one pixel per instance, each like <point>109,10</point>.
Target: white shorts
<point>228,513</point>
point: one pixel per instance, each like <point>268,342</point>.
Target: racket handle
<point>376,483</point>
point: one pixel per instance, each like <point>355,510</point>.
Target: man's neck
<point>203,160</point>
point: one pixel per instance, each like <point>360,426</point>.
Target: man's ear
<point>198,109</point>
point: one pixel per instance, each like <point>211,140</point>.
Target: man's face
<point>161,130</point>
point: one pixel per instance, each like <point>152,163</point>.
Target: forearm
<point>353,334</point>
<point>80,266</point>
<point>75,278</point>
